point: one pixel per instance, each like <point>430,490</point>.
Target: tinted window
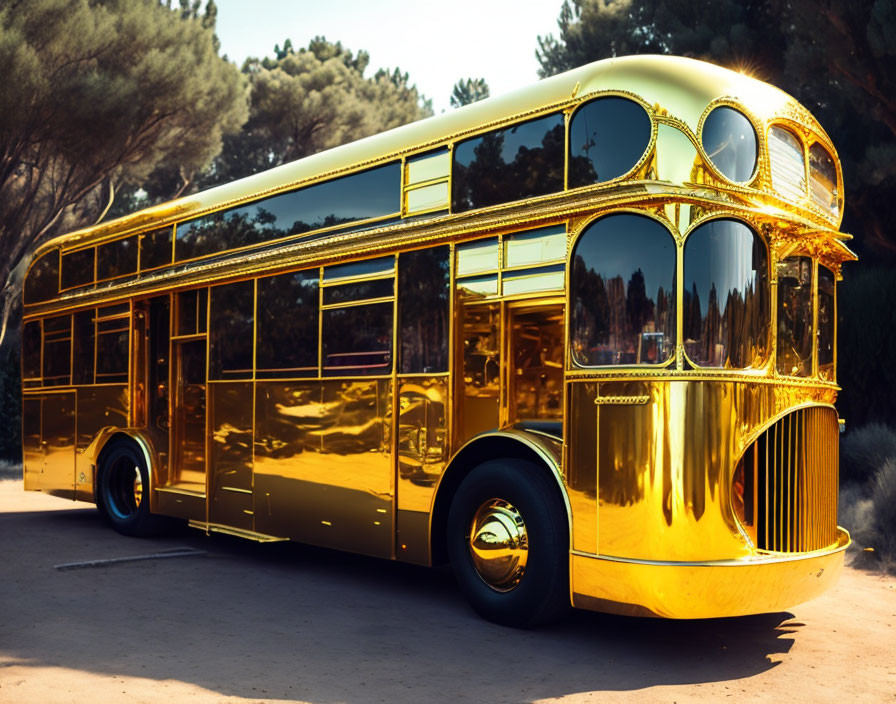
<point>826,316</point>
<point>368,267</point>
<point>231,323</point>
<point>509,164</point>
<point>607,137</point>
<point>31,335</point>
<point>423,281</point>
<point>795,317</point>
<point>155,249</point>
<point>823,178</point>
<point>57,350</point>
<point>83,347</point>
<point>358,340</point>
<point>729,140</point>
<point>288,310</point>
<point>362,196</point>
<point>112,350</point>
<point>726,296</point>
<point>191,312</point>
<point>623,292</point>
<point>378,288</point>
<point>42,283</point>
<point>116,259</point>
<point>77,268</point>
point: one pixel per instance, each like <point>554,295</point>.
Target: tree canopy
<point>837,57</point>
<point>468,90</point>
<point>301,102</point>
<point>103,92</point>
<point>305,101</point>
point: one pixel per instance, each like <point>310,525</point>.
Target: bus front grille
<point>789,480</point>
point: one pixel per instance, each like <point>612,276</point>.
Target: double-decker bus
<point>578,340</point>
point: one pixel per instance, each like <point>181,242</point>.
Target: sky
<point>437,43</point>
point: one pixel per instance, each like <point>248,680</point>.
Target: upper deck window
<point>726,296</point>
<point>607,137</point>
<point>823,178</point>
<point>42,282</point>
<point>362,196</point>
<point>155,249</point>
<point>78,268</point>
<point>788,163</point>
<point>622,293</point>
<point>508,164</point>
<point>117,258</point>
<point>730,142</point>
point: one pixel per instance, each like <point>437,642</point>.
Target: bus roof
<point>680,86</point>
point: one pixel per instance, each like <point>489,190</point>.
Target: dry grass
<point>868,493</point>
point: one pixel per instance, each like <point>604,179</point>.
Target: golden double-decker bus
<point>578,340</point>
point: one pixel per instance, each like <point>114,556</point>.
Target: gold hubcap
<point>138,487</point>
<point>499,544</point>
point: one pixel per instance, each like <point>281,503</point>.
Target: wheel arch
<point>104,440</point>
<point>541,450</point>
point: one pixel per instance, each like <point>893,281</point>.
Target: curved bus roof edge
<point>678,85</point>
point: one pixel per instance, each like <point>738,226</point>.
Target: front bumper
<point>763,584</point>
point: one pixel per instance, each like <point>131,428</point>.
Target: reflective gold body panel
<point>644,456</point>
<point>323,468</point>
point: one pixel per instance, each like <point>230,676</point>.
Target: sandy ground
<point>283,622</point>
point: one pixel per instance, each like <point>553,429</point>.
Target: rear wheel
<point>508,541</point>
<point>123,491</point>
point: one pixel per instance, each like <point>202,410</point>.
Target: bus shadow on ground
<point>286,621</point>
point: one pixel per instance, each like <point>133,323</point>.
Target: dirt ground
<point>283,622</point>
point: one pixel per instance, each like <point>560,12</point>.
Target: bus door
<point>174,404</point>
<point>480,339</point>
<point>512,356</point>
<point>535,363</point>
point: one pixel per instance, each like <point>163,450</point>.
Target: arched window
<point>622,293</point>
<point>726,296</point>
<point>823,178</point>
<point>729,140</point>
<point>607,137</point>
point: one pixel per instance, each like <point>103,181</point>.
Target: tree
<point>309,100</point>
<point>840,62</point>
<point>104,91</point>
<point>468,90</point>
<point>729,32</point>
<point>837,57</point>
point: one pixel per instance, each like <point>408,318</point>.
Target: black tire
<point>540,594</point>
<point>123,491</point>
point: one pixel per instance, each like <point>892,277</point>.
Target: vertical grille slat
<point>791,482</point>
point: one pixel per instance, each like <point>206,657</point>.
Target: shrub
<point>864,451</point>
<point>883,514</point>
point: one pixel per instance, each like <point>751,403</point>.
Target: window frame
<point>758,129</point>
<point>574,237</point>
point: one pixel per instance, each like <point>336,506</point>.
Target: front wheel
<point>508,541</point>
<point>124,491</point>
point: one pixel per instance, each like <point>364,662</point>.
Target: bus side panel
<point>98,407</point>
<point>666,453</point>
<point>322,471</point>
<point>32,451</point>
<point>422,453</point>
<point>49,443</point>
<point>230,450</point>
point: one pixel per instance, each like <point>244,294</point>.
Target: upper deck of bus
<point>677,93</point>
